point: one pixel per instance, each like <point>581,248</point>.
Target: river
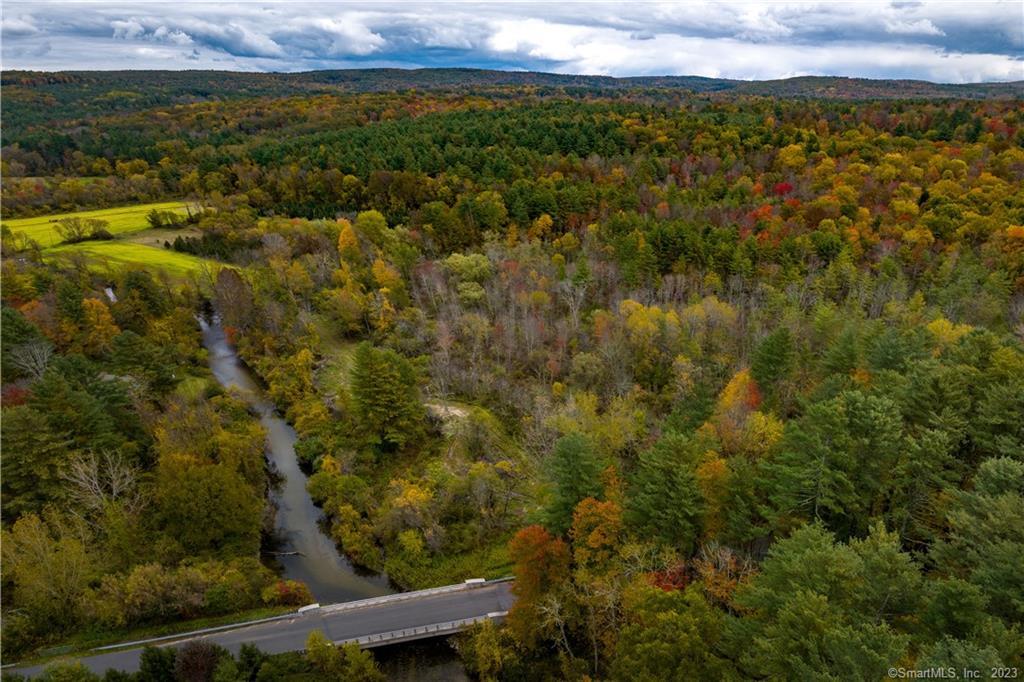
<point>328,574</point>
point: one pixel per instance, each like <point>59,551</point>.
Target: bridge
<point>390,619</point>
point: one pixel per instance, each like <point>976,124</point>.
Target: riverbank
<point>306,553</point>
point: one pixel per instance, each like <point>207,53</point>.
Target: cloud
<point>175,36</point>
<point>327,36</point>
<point>922,27</point>
<point>945,41</point>
<point>127,30</point>
<point>236,39</point>
<point>14,27</point>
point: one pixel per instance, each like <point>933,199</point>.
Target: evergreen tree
<point>664,499</point>
<point>384,394</point>
<point>34,459</point>
<point>998,429</point>
<point>69,301</point>
<point>136,355</point>
<point>924,470</point>
<point>984,543</point>
<point>72,413</point>
<point>581,277</point>
<point>773,359</point>
<point>141,283</point>
<point>821,610</point>
<point>843,356</point>
<point>834,460</point>
<point>574,472</point>
<point>16,332</point>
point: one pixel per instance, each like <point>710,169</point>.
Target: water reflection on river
<point>430,661</point>
<point>330,577</point>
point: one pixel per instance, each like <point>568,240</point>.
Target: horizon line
<point>511,71</point>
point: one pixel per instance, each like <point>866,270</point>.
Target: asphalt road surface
<point>290,634</point>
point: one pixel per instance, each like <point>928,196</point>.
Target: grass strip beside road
<point>85,642</point>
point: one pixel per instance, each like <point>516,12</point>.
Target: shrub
<point>287,593</point>
<point>197,660</point>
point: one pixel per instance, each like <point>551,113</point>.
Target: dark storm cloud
<point>942,41</point>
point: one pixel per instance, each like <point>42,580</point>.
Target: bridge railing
<point>470,584</point>
<point>421,632</point>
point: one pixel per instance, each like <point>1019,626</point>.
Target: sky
<point>950,42</point>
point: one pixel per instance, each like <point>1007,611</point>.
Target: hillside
<point>39,97</point>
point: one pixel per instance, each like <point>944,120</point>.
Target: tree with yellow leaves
<point>348,243</point>
<point>98,327</point>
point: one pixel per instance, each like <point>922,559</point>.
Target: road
<point>339,622</point>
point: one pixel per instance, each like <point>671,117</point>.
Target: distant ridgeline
<point>33,96</point>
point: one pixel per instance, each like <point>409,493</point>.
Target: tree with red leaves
<point>781,189</point>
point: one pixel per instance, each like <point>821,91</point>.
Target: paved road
<point>290,634</point>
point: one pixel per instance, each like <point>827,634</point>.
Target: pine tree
<point>842,357</point>
<point>581,278</point>
<point>575,474</point>
<point>833,461</point>
<point>773,359</point>
<point>822,610</point>
<point>34,457</point>
<point>664,500</point>
<point>17,332</point>
<point>984,541</point>
<point>385,397</point>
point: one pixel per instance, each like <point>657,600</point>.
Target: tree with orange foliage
<point>596,533</point>
<point>541,566</point>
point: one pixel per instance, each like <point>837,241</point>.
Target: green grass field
<point>121,220</point>
<point>116,254</point>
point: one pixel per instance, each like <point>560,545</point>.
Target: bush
<point>157,664</point>
<point>68,672</point>
<point>287,593</point>
<point>74,230</point>
<point>197,661</point>
<point>154,593</point>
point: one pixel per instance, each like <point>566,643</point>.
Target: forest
<point>732,384</point>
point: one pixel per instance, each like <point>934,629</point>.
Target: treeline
<point>316,157</point>
<point>36,98</point>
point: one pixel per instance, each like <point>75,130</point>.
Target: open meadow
<point>115,254</point>
<point>120,220</point>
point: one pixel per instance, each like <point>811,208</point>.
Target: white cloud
<point>177,37</point>
<point>610,52</point>
<point>19,26</point>
<point>923,27</point>
<point>127,30</point>
<point>947,41</point>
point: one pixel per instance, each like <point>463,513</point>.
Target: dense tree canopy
<point>731,383</point>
